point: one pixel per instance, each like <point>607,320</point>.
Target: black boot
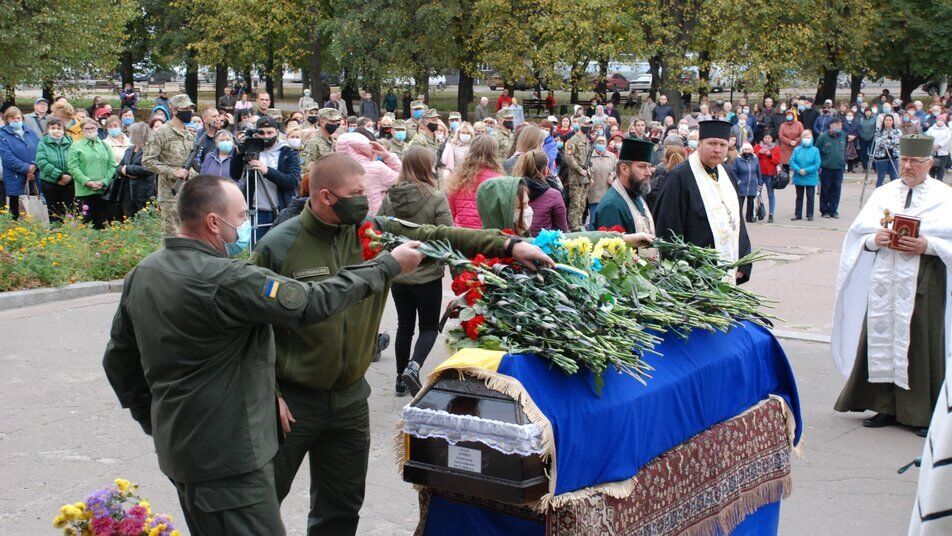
<point>400,388</point>
<point>921,432</point>
<point>411,377</point>
<point>880,420</point>
<point>383,342</point>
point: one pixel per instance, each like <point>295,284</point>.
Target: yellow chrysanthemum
<point>122,484</point>
<point>148,508</point>
<point>578,246</point>
<point>612,246</point>
<point>59,522</point>
<point>175,533</point>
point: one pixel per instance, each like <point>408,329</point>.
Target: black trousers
<point>59,199</point>
<point>751,200</point>
<point>810,193</point>
<point>13,201</point>
<point>95,210</point>
<point>424,300</point>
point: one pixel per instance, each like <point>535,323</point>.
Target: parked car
<point>437,81</point>
<point>140,77</point>
<point>614,81</point>
<point>642,82</point>
<point>496,81</point>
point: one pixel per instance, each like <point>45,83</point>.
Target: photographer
<point>278,172</point>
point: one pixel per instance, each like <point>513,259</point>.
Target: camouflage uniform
<point>577,150</point>
<point>427,139</point>
<point>506,138</point>
<point>319,145</point>
<point>166,153</point>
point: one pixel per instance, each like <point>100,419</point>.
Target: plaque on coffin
<point>463,437</point>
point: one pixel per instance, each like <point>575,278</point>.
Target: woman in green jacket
<point>52,157</point>
<point>416,198</point>
<point>92,166</point>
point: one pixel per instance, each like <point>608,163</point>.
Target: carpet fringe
<point>729,518</point>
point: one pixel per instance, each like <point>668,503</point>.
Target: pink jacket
<point>379,176</point>
<point>463,204</point>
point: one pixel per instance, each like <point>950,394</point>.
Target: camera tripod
<point>870,160</point>
<point>253,176</point>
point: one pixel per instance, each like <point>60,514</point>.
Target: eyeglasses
<point>913,161</point>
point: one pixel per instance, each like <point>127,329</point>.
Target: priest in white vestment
<point>891,321</point>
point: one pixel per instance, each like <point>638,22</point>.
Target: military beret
<point>417,104</point>
<point>505,113</point>
<point>917,145</point>
<point>585,120</point>
<point>181,101</point>
<point>431,113</point>
<point>330,114</point>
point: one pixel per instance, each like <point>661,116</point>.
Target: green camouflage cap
<point>181,101</point>
<point>313,105</point>
<point>431,113</point>
<point>399,124</point>
<point>584,120</point>
<point>417,104</point>
<point>505,113</point>
<point>330,114</point>
<point>917,146</point>
<point>455,115</point>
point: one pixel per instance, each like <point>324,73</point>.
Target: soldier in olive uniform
<point>503,133</point>
<point>427,136</point>
<point>320,369</point>
<point>417,111</point>
<point>577,152</point>
<point>397,144</point>
<point>192,355</point>
<point>310,127</point>
<point>322,143</point>
<point>166,155</point>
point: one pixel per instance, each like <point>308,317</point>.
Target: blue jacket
<point>747,173</point>
<point>551,148</point>
<point>286,177</point>
<point>17,154</point>
<point>822,124</point>
<point>808,159</point>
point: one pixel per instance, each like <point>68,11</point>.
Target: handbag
<point>33,205</point>
<point>781,180</point>
<point>113,193</point>
<point>761,208</point>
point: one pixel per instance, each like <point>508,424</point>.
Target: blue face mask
<point>128,121</point>
<point>16,125</point>
<point>806,143</point>
<point>114,132</point>
<point>351,129</point>
<point>887,109</point>
<point>489,130</point>
<point>225,146</point>
<point>417,114</point>
<point>575,127</point>
<point>600,147</point>
<point>242,243</point>
<point>454,125</point>
<point>692,144</point>
<point>400,135</point>
<point>560,144</point>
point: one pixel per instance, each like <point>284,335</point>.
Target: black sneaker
<point>880,420</point>
<point>770,219</point>
<point>809,218</point>
<point>383,342</point>
<point>921,432</point>
<point>835,216</point>
<point>796,218</point>
<point>401,388</point>
<point>824,215</point>
<point>411,377</point>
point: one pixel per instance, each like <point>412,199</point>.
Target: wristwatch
<point>513,240</point>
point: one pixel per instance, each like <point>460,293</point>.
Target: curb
<point>801,336</point>
<point>26,298</point>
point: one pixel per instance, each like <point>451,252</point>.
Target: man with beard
<point>624,204</point>
<point>699,200</point>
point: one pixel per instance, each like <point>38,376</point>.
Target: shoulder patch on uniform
<point>404,223</point>
<point>292,295</point>
<point>271,288</point>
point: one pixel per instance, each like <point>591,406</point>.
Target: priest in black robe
<point>698,201</point>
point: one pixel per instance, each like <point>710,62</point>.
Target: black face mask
<point>270,141</point>
<point>312,119</point>
<point>586,130</point>
<point>184,115</point>
<point>330,128</point>
<point>507,124</point>
<point>432,127</point>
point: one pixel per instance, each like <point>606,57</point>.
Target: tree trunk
<point>314,67</point>
<point>348,92</point>
<point>771,88</point>
<point>48,90</point>
<point>856,85</point>
<point>305,78</point>
<point>278,84</point>
<point>9,97</point>
<point>703,73</point>
<point>221,80</point>
<point>191,77</point>
<point>246,74</point>
<point>907,84</point>
<point>126,67</point>
<point>654,67</point>
<point>826,89</point>
<point>464,97</point>
<point>269,70</point>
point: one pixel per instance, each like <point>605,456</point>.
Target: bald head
<point>333,177</point>
<point>211,208</point>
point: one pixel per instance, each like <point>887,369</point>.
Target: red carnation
<point>472,326</point>
<point>509,232</point>
<point>612,229</point>
<point>474,293</point>
<point>369,247</point>
<point>463,281</point>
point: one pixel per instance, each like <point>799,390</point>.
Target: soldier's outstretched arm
<point>256,295</point>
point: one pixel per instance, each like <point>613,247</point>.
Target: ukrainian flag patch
<point>271,288</point>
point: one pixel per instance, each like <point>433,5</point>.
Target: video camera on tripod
<point>250,146</point>
<point>252,182</point>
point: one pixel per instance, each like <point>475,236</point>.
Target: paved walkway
<point>62,432</point>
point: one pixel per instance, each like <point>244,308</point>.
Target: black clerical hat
<point>635,150</point>
<point>714,129</point>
